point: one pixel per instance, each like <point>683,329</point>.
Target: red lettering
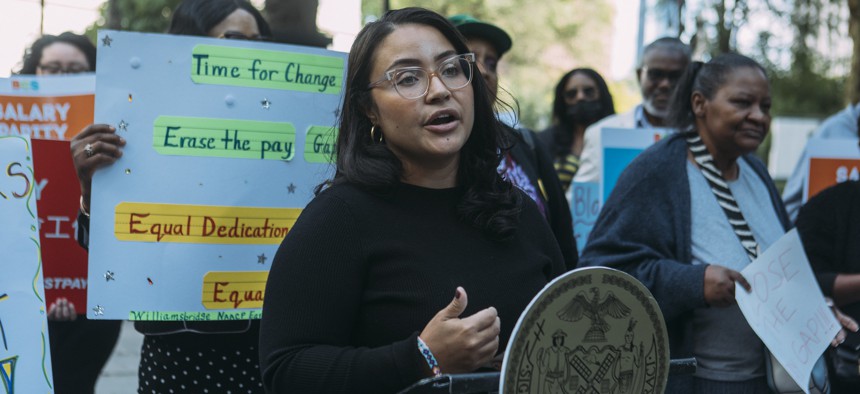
<point>785,264</point>
<point>781,309</point>
<point>759,284</point>
<point>207,222</point>
<point>234,297</point>
<point>773,268</point>
<point>234,231</point>
<point>132,222</point>
<point>218,291</point>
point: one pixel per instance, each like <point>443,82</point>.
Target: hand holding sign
<point>786,308</point>
<point>720,285</point>
<point>105,147</point>
<point>845,321</point>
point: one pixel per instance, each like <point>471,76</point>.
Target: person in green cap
<point>527,164</point>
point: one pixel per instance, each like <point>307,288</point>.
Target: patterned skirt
<point>200,363</point>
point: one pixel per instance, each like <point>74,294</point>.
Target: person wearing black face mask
<point>583,112</point>
<point>581,99</point>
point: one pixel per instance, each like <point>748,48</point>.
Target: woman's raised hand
<point>720,285</point>
<point>462,344</point>
<point>95,147</point>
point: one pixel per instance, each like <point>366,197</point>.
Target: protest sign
<point>25,360</point>
<point>620,147</point>
<point>226,141</point>
<point>584,208</point>
<point>57,194</point>
<point>830,162</point>
<point>55,107</point>
<point>52,110</point>
<point>786,308</point>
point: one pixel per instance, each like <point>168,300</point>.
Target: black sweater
<point>829,226</point>
<point>359,276</point>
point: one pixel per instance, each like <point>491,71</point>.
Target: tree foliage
<point>151,16</point>
<point>292,21</point>
<point>801,67</point>
<point>550,38</point>
<point>853,90</point>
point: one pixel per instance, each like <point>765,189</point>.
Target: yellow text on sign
<point>229,138</point>
<point>204,224</point>
<point>234,289</point>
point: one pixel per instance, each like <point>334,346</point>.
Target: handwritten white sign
<point>786,308</point>
<point>25,357</point>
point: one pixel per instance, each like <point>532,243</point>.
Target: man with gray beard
<point>663,62</point>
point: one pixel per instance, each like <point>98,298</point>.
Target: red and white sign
<point>830,162</point>
<point>52,110</point>
<point>57,201</point>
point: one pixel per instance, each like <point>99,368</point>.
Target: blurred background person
<point>842,125</point>
<point>527,164</point>
<point>79,347</point>
<point>67,53</point>
<point>663,62</point>
<point>433,246</point>
<point>829,227</point>
<point>184,356</point>
<point>581,99</point>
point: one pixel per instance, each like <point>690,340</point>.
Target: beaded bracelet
<point>428,356</point>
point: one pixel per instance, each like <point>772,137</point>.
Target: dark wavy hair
<point>563,136</point>
<point>33,55</point>
<point>488,203</point>
<point>197,17</point>
<point>707,79</point>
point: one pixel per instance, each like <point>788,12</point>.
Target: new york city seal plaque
<point>592,330</point>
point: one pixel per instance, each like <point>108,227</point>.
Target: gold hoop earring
<point>373,134</point>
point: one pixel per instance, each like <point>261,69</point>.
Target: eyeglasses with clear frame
<point>413,83</point>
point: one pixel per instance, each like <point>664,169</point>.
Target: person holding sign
<point>829,227</point>
<point>691,212</point>
<point>79,347</point>
<point>417,258</point>
<point>581,99</point>
<point>184,356</point>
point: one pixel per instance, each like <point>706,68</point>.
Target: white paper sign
<point>786,308</point>
<point>25,357</point>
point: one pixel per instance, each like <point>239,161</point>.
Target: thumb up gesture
<point>462,344</point>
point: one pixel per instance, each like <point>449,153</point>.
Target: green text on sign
<point>219,65</point>
<point>321,144</point>
<point>239,139</point>
<point>195,316</point>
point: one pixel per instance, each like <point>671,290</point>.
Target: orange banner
<point>824,173</point>
<point>46,117</point>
